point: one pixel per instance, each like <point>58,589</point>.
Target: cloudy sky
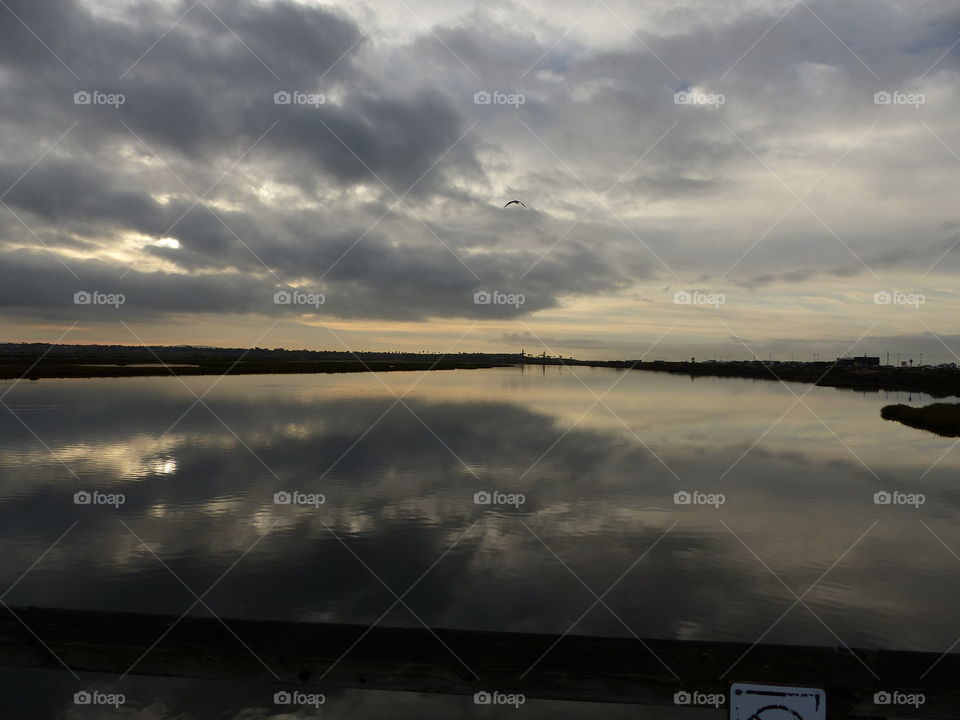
<point>701,177</point>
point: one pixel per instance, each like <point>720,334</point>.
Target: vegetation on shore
<point>67,370</point>
<point>78,361</point>
<point>41,360</point>
<point>940,418</point>
<point>937,382</point>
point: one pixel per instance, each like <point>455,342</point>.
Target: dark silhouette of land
<point>935,381</point>
<point>42,360</point>
<point>940,418</point>
<point>34,361</point>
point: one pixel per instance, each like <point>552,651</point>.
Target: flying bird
<point>515,201</point>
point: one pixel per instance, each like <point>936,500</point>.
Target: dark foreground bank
<point>315,657</point>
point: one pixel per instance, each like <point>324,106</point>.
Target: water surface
<point>598,455</point>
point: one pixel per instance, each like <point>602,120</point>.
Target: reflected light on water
<point>598,481</point>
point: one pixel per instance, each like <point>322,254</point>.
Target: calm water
<point>399,480</point>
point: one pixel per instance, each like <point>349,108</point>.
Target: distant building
<point>863,360</point>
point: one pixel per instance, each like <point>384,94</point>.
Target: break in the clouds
<point>198,157</point>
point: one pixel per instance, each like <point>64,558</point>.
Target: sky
<point>702,178</point>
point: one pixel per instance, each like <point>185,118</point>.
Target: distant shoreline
<point>67,371</point>
<point>36,362</point>
<point>936,382</point>
<point>43,361</point>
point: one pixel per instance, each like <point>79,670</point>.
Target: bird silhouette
<point>515,201</point>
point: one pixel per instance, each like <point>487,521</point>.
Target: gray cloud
<point>305,195</point>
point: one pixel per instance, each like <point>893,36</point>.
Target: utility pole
<point>921,360</point>
<point>888,357</point>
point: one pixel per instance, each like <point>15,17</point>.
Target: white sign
<point>774,702</point>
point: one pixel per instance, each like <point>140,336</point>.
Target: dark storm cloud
<point>372,281</point>
<point>203,92</point>
<point>200,99</point>
<point>63,191</point>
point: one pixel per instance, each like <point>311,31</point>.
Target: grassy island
<point>940,418</point>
